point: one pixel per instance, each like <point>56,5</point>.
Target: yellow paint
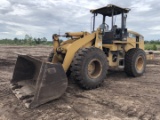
<point>72,49</point>
<point>67,49</point>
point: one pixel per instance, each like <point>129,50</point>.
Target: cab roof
<point>107,10</point>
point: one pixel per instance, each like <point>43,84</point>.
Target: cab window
<point>141,38</point>
<point>131,35</point>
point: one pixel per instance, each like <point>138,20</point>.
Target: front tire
<point>89,67</point>
<point>135,62</point>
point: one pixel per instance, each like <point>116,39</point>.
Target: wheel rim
<point>139,63</point>
<point>94,68</point>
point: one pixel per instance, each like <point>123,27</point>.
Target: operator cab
<point>115,33</point>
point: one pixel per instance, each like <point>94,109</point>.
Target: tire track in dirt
<point>138,109</point>
<point>124,109</point>
<point>4,62</point>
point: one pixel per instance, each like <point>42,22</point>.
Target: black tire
<point>135,62</point>
<point>85,59</point>
<point>50,57</point>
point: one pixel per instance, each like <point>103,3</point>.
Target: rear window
<point>141,38</point>
<point>131,35</point>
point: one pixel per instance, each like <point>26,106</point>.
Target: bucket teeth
<point>28,101</point>
<point>16,86</point>
<point>26,97</point>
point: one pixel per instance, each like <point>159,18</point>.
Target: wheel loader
<point>85,56</point>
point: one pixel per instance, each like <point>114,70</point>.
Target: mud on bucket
<point>36,82</point>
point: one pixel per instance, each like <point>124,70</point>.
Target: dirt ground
<point>120,97</point>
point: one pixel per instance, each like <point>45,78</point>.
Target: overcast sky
<point>42,18</point>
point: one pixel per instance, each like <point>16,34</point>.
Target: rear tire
<point>89,67</point>
<point>135,62</point>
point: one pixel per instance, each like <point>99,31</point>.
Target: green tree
<point>44,39</point>
<point>154,47</point>
<point>29,39</point>
<point>15,40</point>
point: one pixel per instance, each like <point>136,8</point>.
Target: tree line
<point>27,40</point>
<point>152,42</point>
<point>152,45</point>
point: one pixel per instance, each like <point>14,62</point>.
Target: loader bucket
<point>36,82</point>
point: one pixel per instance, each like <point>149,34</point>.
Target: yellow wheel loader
<point>86,56</point>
